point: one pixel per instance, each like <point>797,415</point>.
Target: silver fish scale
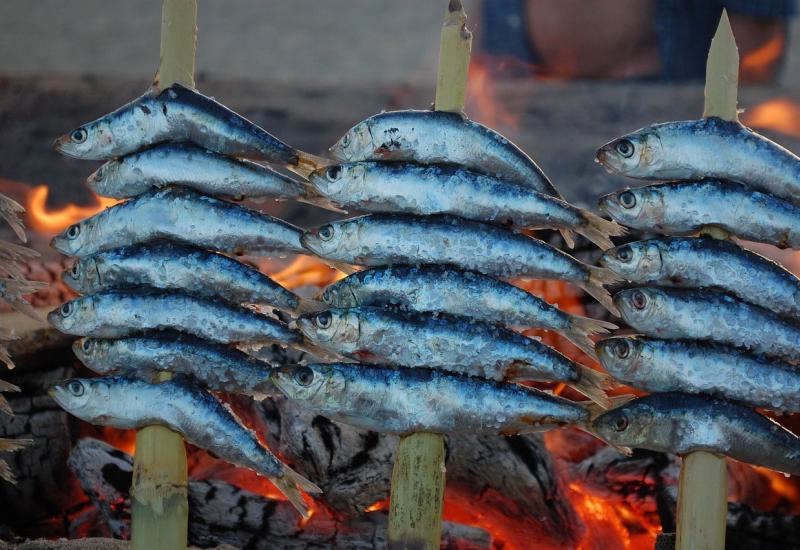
<point>119,314</point>
<point>184,216</point>
<point>714,148</point>
<point>437,137</point>
<point>446,289</point>
<point>192,412</point>
<point>402,401</point>
<point>683,208</point>
<point>453,343</point>
<point>384,239</point>
<point>171,266</point>
<point>415,189</point>
<point>219,368</point>
<point>177,113</point>
<point>191,166</point>
<point>666,365</point>
<point>707,315</point>
<point>682,423</point>
<point>704,263</point>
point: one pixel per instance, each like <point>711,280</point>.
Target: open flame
<point>780,114</point>
<point>45,220</point>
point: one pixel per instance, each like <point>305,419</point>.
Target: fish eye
<point>345,140</point>
<point>323,320</point>
<point>625,148</point>
<point>621,423</point>
<point>73,231</point>
<point>638,299</point>
<point>304,376</point>
<point>624,253</point>
<point>79,135</point>
<point>75,388</point>
<point>326,232</point>
<point>327,295</point>
<point>627,199</point>
<point>87,345</point>
<point>622,349</point>
<point>76,269</point>
<point>66,309</point>
<point>333,173</point>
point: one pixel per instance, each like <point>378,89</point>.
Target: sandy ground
<point>328,40</point>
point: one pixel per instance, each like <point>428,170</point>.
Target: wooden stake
<point>159,503</point>
<point>703,490</point>
<point>418,476</point>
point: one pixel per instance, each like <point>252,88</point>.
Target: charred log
<point>220,513</point>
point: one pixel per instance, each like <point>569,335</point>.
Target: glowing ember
<point>780,114</point>
<point>380,505</point>
<point>51,222</point>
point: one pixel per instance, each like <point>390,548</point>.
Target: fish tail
<point>6,473</point>
<point>600,231</point>
<point>318,351</point>
<point>599,276</point>
<point>10,211</point>
<point>15,252</point>
<point>345,268</point>
<point>580,328</point>
<point>315,199</point>
<point>307,305</point>
<point>13,291</point>
<point>290,484</point>
<point>569,237</point>
<point>307,163</point>
<point>8,386</point>
<point>5,357</point>
<point>593,384</point>
<point>10,445</point>
<point>5,407</point>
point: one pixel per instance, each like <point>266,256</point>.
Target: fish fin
<point>568,236</point>
<point>307,305</point>
<point>599,230</point>
<point>345,268</point>
<point>599,276</point>
<point>288,484</point>
<point>593,384</point>
<point>581,327</point>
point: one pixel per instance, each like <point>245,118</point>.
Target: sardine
<point>706,148</point>
<point>681,423</point>
<point>402,401</point>
<point>710,316</point>
<point>708,263</point>
<point>456,344</point>
<point>441,137</point>
<point>446,189</point>
<point>466,293</point>
<point>216,367</point>
<point>685,208</point>
<point>177,114</point>
<point>170,266</point>
<point>128,403</point>
<point>385,239</point>
<point>123,313</point>
<point>200,169</point>
<point>698,367</point>
<point>184,216</point>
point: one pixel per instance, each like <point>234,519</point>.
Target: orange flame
<point>53,221</point>
<point>757,65</point>
<point>307,271</point>
<point>780,114</point>
<point>481,97</point>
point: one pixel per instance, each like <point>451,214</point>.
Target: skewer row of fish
<point>190,145</point>
<point>719,325</point>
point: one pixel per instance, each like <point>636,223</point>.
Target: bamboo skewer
<point>159,504</point>
<point>703,487</point>
<point>418,476</point>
